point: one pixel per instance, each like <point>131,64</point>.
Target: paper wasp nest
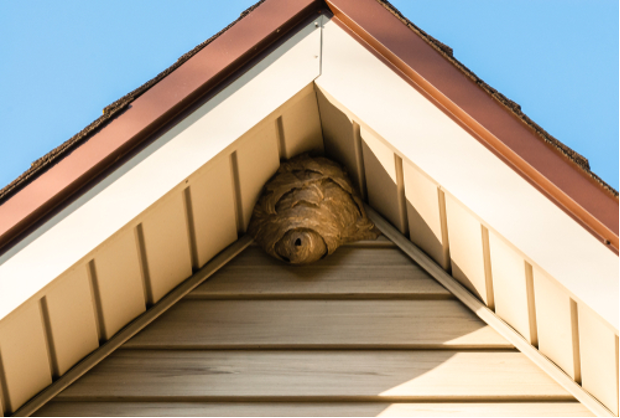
<point>307,210</point>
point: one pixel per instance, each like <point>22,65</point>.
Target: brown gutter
<point>161,101</point>
<point>568,185</point>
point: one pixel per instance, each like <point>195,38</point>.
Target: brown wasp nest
<point>307,210</point>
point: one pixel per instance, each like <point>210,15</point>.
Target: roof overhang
<point>558,172</point>
<point>133,206</point>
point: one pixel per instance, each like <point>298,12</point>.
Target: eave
<point>124,156</point>
<point>554,169</point>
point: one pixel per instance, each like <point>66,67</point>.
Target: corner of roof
<point>109,112</point>
<point>448,53</point>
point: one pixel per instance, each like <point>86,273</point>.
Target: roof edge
<point>512,106</point>
<point>582,202</point>
<point>42,164</point>
<point>428,65</point>
<point>131,120</point>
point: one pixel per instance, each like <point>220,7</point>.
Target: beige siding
<point>342,141</point>
<point>466,250</point>
<point>319,324</point>
<point>257,160</point>
<point>212,196</point>
<point>301,127</point>
<point>319,409</point>
<point>382,180</point>
<point>73,327</point>
<point>598,347</point>
<point>385,274</point>
<point>512,302</point>
<point>118,284</point>
<point>364,325</point>
<point>556,327</point>
<point>2,407</point>
<point>424,213</point>
<point>370,375</point>
<point>24,355</point>
<point>166,246</point>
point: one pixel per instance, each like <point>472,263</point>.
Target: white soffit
<point>163,165</point>
<point>423,134</point>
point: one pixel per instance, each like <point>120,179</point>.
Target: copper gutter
<point>559,178</point>
<point>265,25</point>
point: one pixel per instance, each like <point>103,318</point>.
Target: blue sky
<point>62,62</point>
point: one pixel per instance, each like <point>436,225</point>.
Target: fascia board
<point>63,176</point>
<point>421,131</point>
<point>28,268</point>
<point>498,122</point>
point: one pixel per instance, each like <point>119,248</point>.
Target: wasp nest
<point>307,210</point>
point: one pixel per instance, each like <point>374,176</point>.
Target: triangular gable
<point>366,325</point>
<point>320,88</point>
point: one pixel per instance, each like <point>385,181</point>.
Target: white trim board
<point>163,165</point>
<point>422,133</point>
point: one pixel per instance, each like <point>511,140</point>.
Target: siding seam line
<point>4,388</point>
<point>95,293</point>
<point>191,227</point>
<point>52,356</point>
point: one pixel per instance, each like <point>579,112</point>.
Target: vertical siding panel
<point>423,214</point>
<point>258,160</point>
<point>599,363</point>
<point>339,138</point>
<point>301,127</point>
<point>466,250</point>
<point>3,391</point>
<point>382,179</point>
<point>213,208</point>
<point>2,410</point>
<point>24,354</point>
<point>119,283</point>
<point>553,318</point>
<point>166,243</point>
<point>72,319</point>
<point>617,410</point>
<point>509,286</point>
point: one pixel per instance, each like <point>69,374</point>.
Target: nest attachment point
<point>307,210</point>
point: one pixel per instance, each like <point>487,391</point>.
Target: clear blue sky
<point>62,62</point>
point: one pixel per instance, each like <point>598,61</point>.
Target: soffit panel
<point>81,158</point>
<point>163,165</point>
<point>423,134</point>
<point>499,121</point>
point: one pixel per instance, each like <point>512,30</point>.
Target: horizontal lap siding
<point>303,336</point>
<point>356,375</point>
<point>319,409</point>
<point>350,273</point>
<point>318,324</point>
